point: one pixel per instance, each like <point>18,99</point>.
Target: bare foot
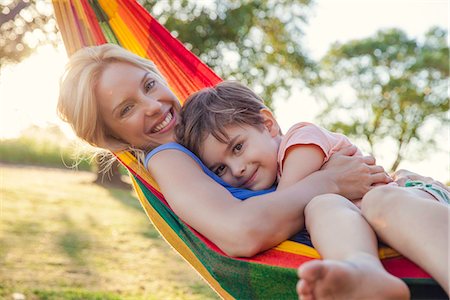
<point>358,278</point>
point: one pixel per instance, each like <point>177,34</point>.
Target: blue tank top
<point>238,193</point>
<point>242,194</point>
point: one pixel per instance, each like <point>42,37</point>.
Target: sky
<point>28,91</point>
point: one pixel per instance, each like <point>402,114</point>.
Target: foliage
<point>400,86</point>
<point>44,147</point>
<point>257,42</point>
<point>24,25</point>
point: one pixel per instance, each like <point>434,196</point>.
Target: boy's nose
<point>238,169</point>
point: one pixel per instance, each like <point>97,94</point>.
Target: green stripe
<point>103,21</point>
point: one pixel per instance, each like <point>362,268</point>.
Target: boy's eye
<point>126,109</point>
<point>237,147</point>
<point>149,85</point>
<point>220,170</point>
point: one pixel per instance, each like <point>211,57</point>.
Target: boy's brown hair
<point>210,110</point>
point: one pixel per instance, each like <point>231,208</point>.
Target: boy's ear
<point>270,122</point>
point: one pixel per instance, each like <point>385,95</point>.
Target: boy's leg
<point>351,268</point>
<point>413,223</point>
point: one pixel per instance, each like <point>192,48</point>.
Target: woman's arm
<point>245,228</point>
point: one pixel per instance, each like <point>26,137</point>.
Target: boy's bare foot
<point>358,278</point>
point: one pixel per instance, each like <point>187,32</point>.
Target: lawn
<point>63,237</point>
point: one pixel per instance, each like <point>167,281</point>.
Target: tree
<point>257,42</point>
<point>25,25</point>
<point>399,86</point>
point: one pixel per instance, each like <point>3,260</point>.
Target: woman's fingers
<point>376,169</point>
<point>381,177</point>
<point>347,151</point>
<point>369,159</point>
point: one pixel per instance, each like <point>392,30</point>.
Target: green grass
<point>45,147</point>
<point>62,237</point>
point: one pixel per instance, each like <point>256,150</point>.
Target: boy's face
<point>248,159</point>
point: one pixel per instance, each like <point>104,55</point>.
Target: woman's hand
<point>354,176</point>
<point>402,176</point>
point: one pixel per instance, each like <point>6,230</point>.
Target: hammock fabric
<point>269,275</point>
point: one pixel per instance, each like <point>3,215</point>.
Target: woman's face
<point>136,107</point>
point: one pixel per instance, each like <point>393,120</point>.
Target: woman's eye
<point>149,85</point>
<point>125,110</point>
<point>220,170</point>
<point>237,147</point>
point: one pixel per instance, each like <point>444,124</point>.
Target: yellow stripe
<point>296,248</point>
<point>126,37</point>
<point>386,252</point>
<point>110,7</point>
<point>121,29</point>
<point>129,160</point>
<point>174,240</point>
<point>299,249</point>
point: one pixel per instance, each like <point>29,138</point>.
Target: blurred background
<point>375,70</point>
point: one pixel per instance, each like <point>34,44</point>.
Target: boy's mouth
<point>248,183</point>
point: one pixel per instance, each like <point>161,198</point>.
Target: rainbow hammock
<point>269,275</point>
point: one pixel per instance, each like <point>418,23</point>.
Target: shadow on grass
<point>24,234</point>
<point>4,249</point>
<point>72,294</point>
<point>26,229</point>
<point>128,199</point>
<point>74,242</point>
<point>204,290</point>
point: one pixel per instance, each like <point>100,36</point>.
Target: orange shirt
<point>304,133</point>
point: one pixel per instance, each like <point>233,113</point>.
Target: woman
<point>118,101</point>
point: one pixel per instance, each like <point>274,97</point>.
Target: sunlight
<point>29,91</point>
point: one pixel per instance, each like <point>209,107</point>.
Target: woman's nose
<point>152,107</point>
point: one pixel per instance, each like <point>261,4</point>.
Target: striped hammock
<point>269,275</point>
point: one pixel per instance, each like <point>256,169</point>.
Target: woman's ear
<point>270,122</point>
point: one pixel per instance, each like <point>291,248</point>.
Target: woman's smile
<point>167,124</point>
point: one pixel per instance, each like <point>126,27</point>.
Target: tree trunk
<point>13,12</point>
<point>399,157</point>
<point>396,163</point>
<point>108,175</point>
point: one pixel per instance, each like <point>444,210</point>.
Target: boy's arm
<point>299,162</point>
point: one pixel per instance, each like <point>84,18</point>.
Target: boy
<point>231,109</point>
<point>237,138</point>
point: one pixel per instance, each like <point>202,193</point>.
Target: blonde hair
<point>77,103</point>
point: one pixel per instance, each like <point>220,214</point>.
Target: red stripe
<point>404,268</point>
